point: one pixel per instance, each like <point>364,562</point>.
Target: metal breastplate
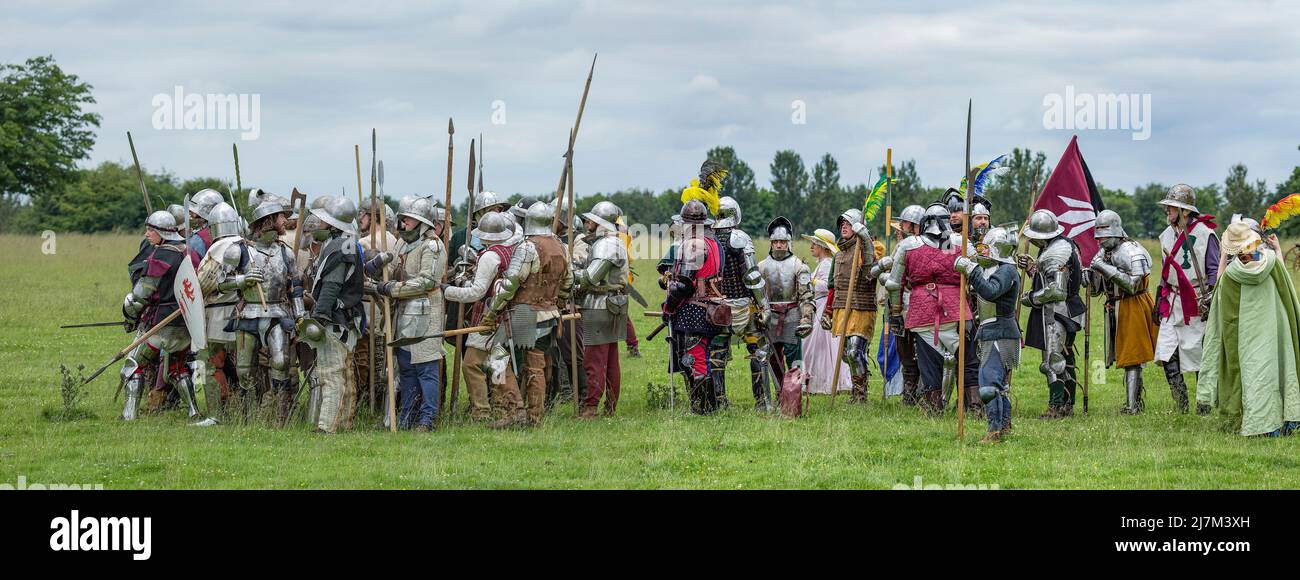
<point>275,285</point>
<point>780,277</point>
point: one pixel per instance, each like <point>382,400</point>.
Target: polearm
<point>371,313</point>
<point>376,177</point>
<point>460,311</point>
<point>889,215</point>
<point>843,327</point>
<point>93,324</point>
<point>139,174</point>
<point>961,297</point>
<point>463,331</point>
<point>131,347</point>
<point>446,223</point>
<point>239,185</point>
<point>559,189</point>
<point>1087,345</point>
<point>573,305</point>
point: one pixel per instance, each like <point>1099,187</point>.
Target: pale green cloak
<point>1252,343</point>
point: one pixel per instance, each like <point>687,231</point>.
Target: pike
<point>460,312</point>
<point>573,305</point>
<point>371,313</point>
<point>301,198</point>
<point>568,163</point>
<point>139,175</point>
<point>376,181</point>
<point>143,337</point>
<point>239,185</point>
<point>446,223</point>
<point>472,329</point>
<point>961,297</point>
<point>93,324</point>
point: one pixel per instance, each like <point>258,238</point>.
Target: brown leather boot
<point>992,437</point>
<point>1052,412</point>
<point>932,403</point>
<point>587,412</point>
<point>512,420</point>
<point>859,389</point>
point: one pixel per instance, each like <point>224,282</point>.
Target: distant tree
<point>825,195</point>
<point>44,132</point>
<point>1242,196</point>
<point>789,186</point>
<point>104,198</point>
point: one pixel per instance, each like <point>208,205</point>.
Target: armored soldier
<point>1120,272</point>
<point>696,310</point>
<point>1187,277</point>
<point>907,237</point>
<point>853,316</point>
<point>201,204</point>
<point>421,259</point>
<point>601,280</point>
<point>996,282</point>
<point>151,300</point>
<point>788,284</point>
<point>262,269</point>
<point>333,325</point>
<point>1057,309</point>
<point>536,281</point>
<point>220,297</point>
<point>742,288</point>
<point>494,228</point>
<point>925,268</point>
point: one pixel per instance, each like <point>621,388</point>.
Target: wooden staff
<point>446,222</point>
<point>460,310</point>
<point>568,165</point>
<point>573,324</point>
<point>484,328</point>
<point>843,326</point>
<point>131,347</point>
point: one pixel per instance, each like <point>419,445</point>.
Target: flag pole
<point>889,215</point>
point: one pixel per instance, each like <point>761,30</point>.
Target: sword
<point>631,290</point>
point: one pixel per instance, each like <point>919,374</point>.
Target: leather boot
<point>859,389</point>
<point>1177,385</point>
<point>518,419</point>
<point>1052,412</point>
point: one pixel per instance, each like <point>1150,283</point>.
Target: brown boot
<point>1052,412</point>
<point>932,403</point>
<point>992,437</point>
<point>511,420</point>
<point>587,412</point>
<point>1066,411</point>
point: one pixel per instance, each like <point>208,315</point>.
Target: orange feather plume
<point>1281,211</point>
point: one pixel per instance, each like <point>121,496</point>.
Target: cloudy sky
<point>674,79</point>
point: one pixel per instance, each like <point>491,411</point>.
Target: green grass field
<point>874,446</point>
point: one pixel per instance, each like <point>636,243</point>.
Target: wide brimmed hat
<point>823,238</point>
<point>1240,239</point>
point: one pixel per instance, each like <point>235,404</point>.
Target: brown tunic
<point>864,290</point>
<point>541,288</point>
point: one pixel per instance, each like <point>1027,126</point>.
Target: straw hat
<point>1239,239</point>
<point>823,238</point>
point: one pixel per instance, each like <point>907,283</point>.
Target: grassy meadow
<point>873,446</point>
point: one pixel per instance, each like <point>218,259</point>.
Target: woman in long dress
<point>819,348</point>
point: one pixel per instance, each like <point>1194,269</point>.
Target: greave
<point>185,388</point>
<point>1133,389</point>
<point>133,386</point>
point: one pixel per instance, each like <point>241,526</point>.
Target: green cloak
<point>1252,343</point>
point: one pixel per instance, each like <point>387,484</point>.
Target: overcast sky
<point>673,80</point>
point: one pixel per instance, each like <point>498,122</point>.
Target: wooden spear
<point>961,297</point>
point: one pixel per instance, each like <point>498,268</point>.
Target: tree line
<point>45,132</point>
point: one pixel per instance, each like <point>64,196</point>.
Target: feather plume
<point>706,188</point>
<point>1281,211</point>
<point>875,199</point>
<point>984,174</point>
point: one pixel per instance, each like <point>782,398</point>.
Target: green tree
<point>789,186</point>
<point>43,132</point>
<point>104,198</point>
<point>1243,197</point>
<point>825,197</point>
<point>1149,216</point>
